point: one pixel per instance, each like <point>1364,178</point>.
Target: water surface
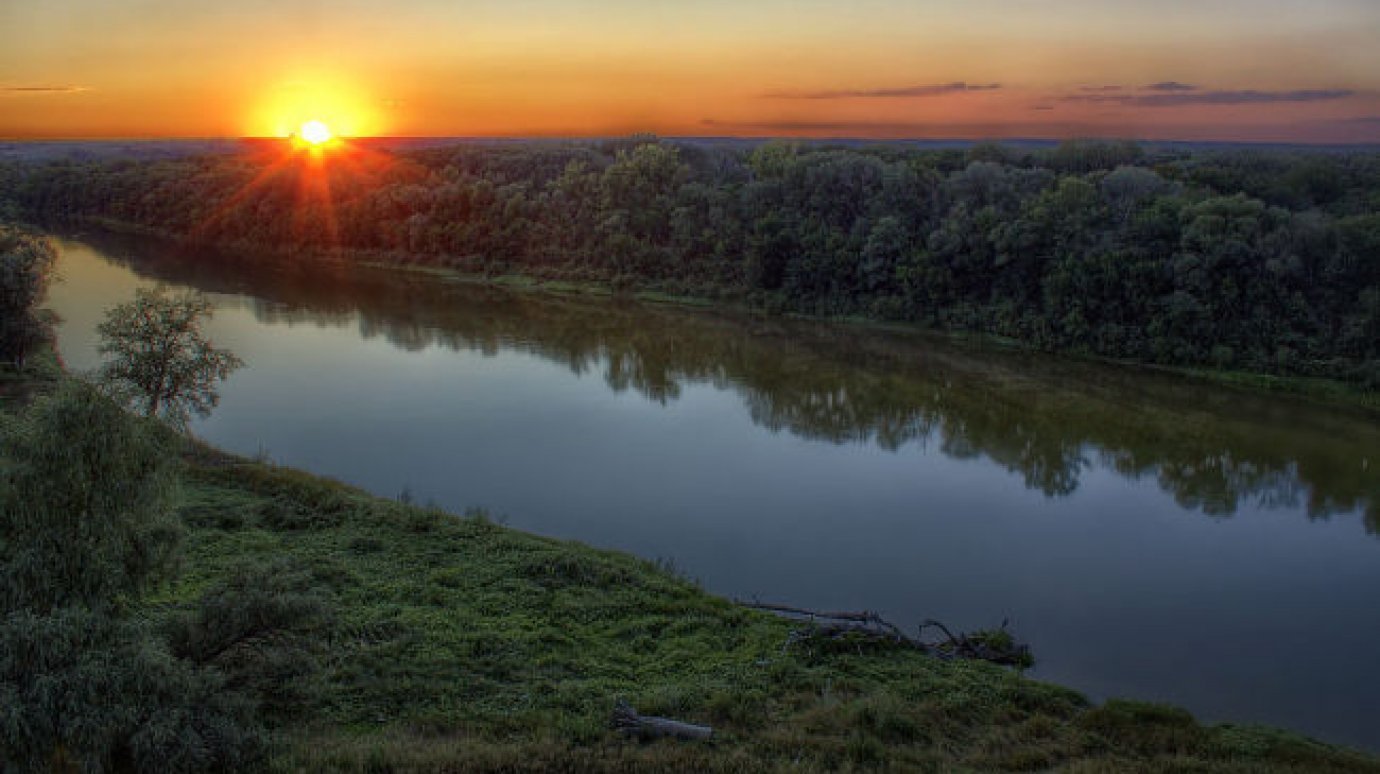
<point>1151,537</point>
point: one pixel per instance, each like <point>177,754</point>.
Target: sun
<point>315,132</point>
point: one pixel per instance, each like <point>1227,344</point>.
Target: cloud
<point>838,128</point>
<point>1044,126</point>
<point>1171,86</point>
<point>1177,98</point>
<point>42,89</point>
<point>924,90</point>
<point>864,129</point>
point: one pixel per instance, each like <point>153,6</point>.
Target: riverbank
<point>1317,390</point>
<point>1322,391</point>
<point>456,643</point>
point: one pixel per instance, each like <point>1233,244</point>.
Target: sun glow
<point>308,106</point>
<point>315,132</point>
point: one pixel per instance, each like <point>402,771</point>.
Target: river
<point>1151,537</point>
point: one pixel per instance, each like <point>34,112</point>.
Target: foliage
<point>26,267</point>
<point>86,515</point>
<point>1248,260</point>
<point>255,627</point>
<point>161,358</point>
<point>87,528</point>
<point>81,690</point>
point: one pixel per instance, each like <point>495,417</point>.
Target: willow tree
<point>161,360</point>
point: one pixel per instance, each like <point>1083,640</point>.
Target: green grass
<point>458,644</point>
<point>455,644</point>
<point>1317,390</point>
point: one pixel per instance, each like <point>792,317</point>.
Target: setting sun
<point>315,132</point>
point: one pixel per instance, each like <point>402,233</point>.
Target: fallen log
<point>996,645</point>
<point>865,622</point>
<point>627,721</point>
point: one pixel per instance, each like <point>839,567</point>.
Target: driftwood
<point>995,646</point>
<point>626,720</point>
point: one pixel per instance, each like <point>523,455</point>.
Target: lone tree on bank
<point>162,361</point>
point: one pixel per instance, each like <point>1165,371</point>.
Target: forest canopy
<point>1260,260</point>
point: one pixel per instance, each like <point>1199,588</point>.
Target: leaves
<point>86,527</point>
<point>26,267</point>
<point>160,358</point>
<point>1078,248</point>
<point>85,508</point>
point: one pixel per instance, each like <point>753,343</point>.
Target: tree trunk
<point>626,720</point>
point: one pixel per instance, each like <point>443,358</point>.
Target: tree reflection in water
<point>1049,420</point>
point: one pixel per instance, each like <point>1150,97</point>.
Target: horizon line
<point>730,137</point>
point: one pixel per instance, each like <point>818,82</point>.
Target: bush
<point>86,509</point>
<point>86,526</point>
<point>83,690</point>
<point>254,628</point>
<point>26,267</point>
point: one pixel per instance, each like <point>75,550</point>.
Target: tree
<point>86,526</point>
<point>87,510</point>
<point>162,360</point>
<point>26,265</point>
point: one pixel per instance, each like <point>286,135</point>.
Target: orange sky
<point>1204,69</point>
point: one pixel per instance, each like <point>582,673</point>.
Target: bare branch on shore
<point>627,721</point>
<point>996,646</point>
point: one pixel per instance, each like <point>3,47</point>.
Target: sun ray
<point>224,209</point>
<point>313,199</point>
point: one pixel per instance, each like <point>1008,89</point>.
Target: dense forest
<point>1255,260</point>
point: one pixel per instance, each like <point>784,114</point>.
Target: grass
<point>453,643</point>
<point>1314,389</point>
<point>459,644</point>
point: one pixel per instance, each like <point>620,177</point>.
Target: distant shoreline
<point>1323,391</point>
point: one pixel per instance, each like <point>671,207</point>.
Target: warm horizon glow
<point>289,104</point>
<point>1255,70</point>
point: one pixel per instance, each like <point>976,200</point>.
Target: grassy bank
<point>459,643</point>
<point>1318,390</point>
<point>453,643</point>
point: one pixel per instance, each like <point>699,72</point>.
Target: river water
<point>1150,537</point>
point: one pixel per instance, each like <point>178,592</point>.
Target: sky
<point>1238,70</point>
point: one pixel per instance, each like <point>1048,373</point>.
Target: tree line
<point>1266,261</point>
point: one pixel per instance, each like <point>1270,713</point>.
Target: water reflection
<point>1049,421</point>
